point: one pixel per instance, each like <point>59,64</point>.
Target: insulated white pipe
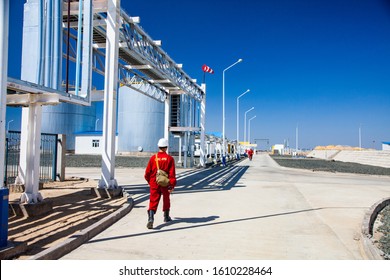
<point>86,78</point>
<point>49,44</point>
<point>41,36</point>
<point>57,48</point>
<point>78,55</point>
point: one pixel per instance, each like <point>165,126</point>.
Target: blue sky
<point>322,65</point>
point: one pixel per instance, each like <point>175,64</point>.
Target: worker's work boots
<point>166,216</point>
<point>149,225</point>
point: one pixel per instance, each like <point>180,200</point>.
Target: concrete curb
<point>79,238</point>
<point>370,250</point>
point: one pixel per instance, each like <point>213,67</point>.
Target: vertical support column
<point>110,96</point>
<point>180,149</point>
<point>30,152</point>
<point>202,127</point>
<point>166,116</point>
<point>33,56</point>
<point>4,15</point>
<point>185,149</point>
<point>87,50</point>
<point>61,151</point>
<point>184,109</point>
<point>190,133</point>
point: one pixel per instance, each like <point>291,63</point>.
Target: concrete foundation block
<point>107,193</point>
<point>12,249</point>
<point>30,210</point>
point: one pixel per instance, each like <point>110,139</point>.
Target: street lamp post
<point>249,129</point>
<point>245,122</point>
<point>296,140</point>
<point>238,120</point>
<point>223,111</point>
<point>8,124</point>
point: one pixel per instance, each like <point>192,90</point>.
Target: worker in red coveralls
<point>250,154</point>
<point>166,163</point>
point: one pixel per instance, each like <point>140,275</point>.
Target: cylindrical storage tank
<point>67,119</point>
<point>140,122</point>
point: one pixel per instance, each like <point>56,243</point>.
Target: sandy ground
<point>75,207</point>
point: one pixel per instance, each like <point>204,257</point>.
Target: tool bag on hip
<point>161,176</point>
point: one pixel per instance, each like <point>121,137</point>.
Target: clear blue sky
<point>323,65</point>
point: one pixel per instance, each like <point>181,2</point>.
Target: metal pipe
<point>40,62</point>
<point>48,44</point>
<point>67,49</point>
<point>78,49</point>
<point>87,50</point>
<point>57,48</point>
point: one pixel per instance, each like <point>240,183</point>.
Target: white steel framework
<point>112,44</point>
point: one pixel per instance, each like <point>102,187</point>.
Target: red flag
<point>207,69</point>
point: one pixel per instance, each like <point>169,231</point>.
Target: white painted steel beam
<point>27,99</point>
<point>184,129</point>
<point>96,22</point>
<point>100,6</point>
<point>22,93</point>
<point>138,67</point>
<point>39,49</point>
<point>110,97</point>
<point>31,153</point>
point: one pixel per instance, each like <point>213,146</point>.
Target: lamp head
<point>240,60</point>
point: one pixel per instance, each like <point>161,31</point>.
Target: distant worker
<point>160,161</point>
<point>250,154</point>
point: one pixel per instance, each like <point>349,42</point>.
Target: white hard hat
<point>162,143</point>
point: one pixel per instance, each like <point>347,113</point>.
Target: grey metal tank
<point>140,121</point>
<point>68,119</point>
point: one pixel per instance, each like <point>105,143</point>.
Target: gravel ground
<point>384,228</point>
<point>330,166</point>
<point>346,167</point>
<point>96,161</point>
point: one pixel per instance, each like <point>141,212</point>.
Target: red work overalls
<point>166,163</point>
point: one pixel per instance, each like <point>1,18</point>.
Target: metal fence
<point>48,157</point>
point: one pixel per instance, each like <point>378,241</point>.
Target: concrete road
<point>252,210</point>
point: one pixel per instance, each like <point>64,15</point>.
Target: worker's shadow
<point>189,220</point>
